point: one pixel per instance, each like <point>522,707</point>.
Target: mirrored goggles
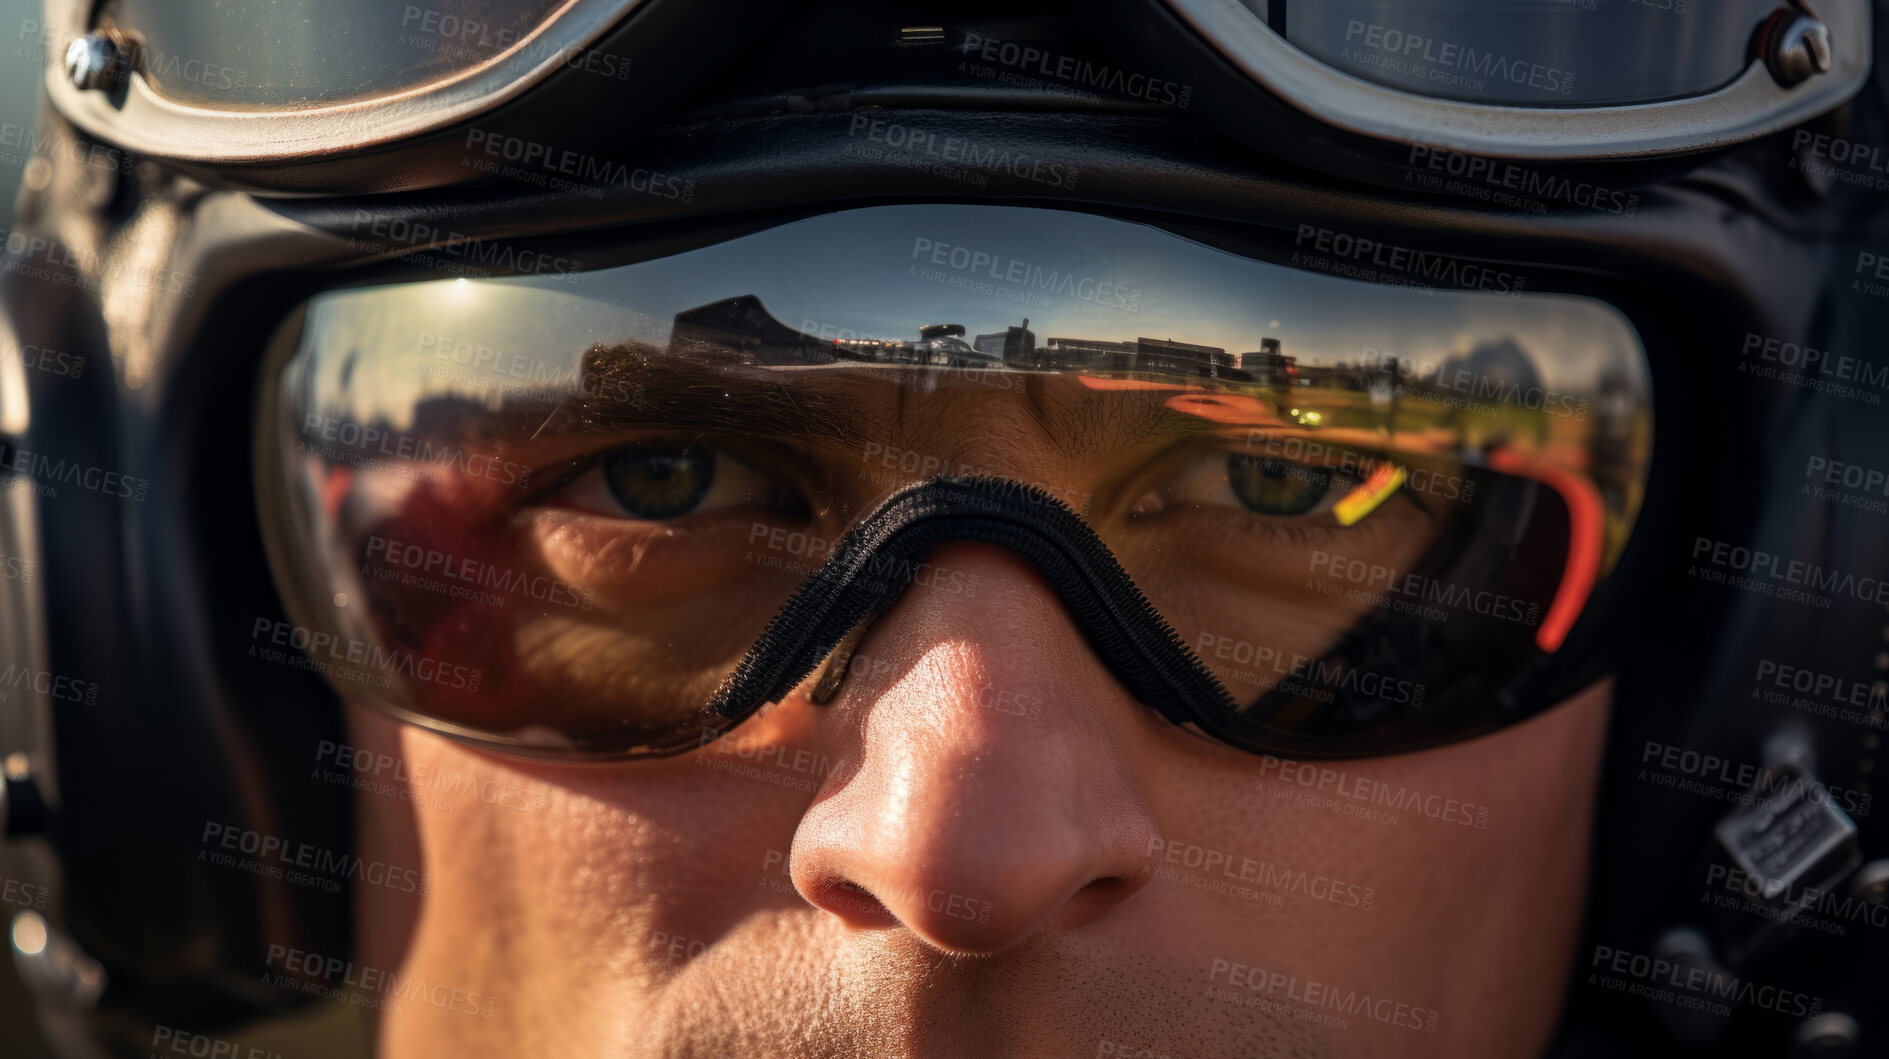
<point>300,95</point>
<point>312,94</point>
<point>1567,80</point>
<point>614,513</point>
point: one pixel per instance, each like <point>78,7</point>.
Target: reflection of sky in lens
<point>875,273</point>
<point>288,53</point>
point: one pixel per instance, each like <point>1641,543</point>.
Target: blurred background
<point>322,1031</point>
<point>19,91</point>
<point>20,97</point>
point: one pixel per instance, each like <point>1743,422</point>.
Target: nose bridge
<point>1016,446</point>
<point>994,792</point>
<point>978,626</point>
<point>960,429</point>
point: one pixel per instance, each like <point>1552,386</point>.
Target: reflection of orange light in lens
<point>335,489</point>
<point>1585,530</point>
<point>1094,383</point>
<point>1224,408</point>
<point>1369,494</point>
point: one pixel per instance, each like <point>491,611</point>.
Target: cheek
<point>1437,879</point>
<point>636,868</point>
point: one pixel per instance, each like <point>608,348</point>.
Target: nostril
<point>853,903</point>
<point>1095,899</point>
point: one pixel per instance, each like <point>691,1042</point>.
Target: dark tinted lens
<point>1543,53</point>
<point>282,53</point>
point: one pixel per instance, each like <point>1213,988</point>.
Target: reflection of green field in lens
<point>1440,424</point>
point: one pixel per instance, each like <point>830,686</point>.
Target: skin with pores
<point>906,870</point>
<point>569,918</point>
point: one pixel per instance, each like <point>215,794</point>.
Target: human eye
<point>1268,486</point>
<point>1340,493</point>
<point>667,479</point>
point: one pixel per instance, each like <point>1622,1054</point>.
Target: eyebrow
<point>632,384</point>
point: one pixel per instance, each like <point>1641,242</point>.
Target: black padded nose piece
<point>875,561</point>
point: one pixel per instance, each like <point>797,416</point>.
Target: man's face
<point>981,844</point>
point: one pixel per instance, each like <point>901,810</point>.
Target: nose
<point>995,794</point>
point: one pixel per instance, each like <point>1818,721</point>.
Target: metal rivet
<point>29,934</point>
<point>1871,882</point>
<point>1802,49</point>
<point>94,61</point>
<point>1688,949</point>
<point>52,965</point>
<point>1829,1034</point>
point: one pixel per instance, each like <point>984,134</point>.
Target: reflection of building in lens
<point>1157,355</point>
<point>944,345</point>
<point>1087,354</point>
<point>1339,375</point>
<point>1015,345</point>
<point>1269,366</point>
<point>1178,358</point>
<point>742,325</point>
<point>938,345</point>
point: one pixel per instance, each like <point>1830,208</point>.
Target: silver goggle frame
<point>1754,105</point>
<point>144,121</point>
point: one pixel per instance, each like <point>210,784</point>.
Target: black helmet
<point>1533,340</point>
